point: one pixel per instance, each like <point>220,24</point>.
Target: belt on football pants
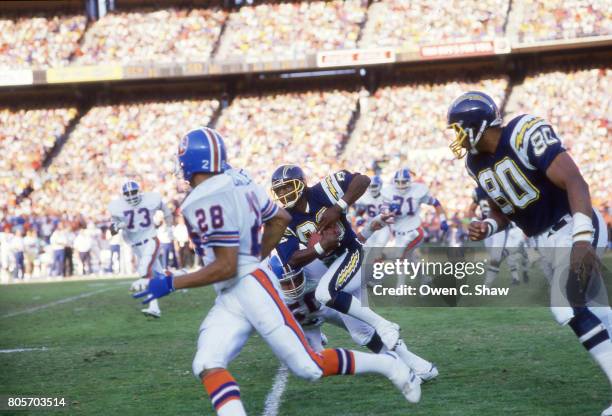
<point>145,241</point>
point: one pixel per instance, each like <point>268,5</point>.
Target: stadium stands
<point>39,42</point>
<point>26,137</point>
<point>112,143</point>
<point>563,19</point>
<point>289,30</point>
<point>166,35</point>
<point>302,128</point>
<point>409,24</point>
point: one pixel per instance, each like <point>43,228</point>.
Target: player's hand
<point>329,239</point>
<point>381,221</point>
<point>477,230</point>
<point>162,284</point>
<point>444,226</point>
<point>330,217</point>
<point>584,263</point>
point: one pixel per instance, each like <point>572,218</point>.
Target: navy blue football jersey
<point>515,176</point>
<point>320,196</point>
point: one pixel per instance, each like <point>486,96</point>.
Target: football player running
<point>320,212</point>
<point>298,289</point>
<point>531,180</point>
<point>133,214</point>
<point>225,211</point>
<point>404,199</point>
<point>506,244</point>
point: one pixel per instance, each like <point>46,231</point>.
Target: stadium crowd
<point>290,30</point>
<point>39,41</point>
<point>160,36</point>
<point>398,125</point>
<point>409,24</point>
<point>563,19</point>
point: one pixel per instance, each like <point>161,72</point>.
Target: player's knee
<point>203,363</point>
<point>562,314</point>
<point>308,370</point>
<point>322,294</point>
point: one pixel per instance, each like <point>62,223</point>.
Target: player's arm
<point>223,267</point>
<point>117,224</point>
<point>471,212</point>
<point>273,231</point>
<point>378,222</point>
<point>496,221</point>
<point>352,187</point>
<point>290,253</point>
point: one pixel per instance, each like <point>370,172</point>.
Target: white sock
<point>412,360</point>
<point>365,314</point>
<point>374,363</point>
<point>232,408</point>
<point>154,305</point>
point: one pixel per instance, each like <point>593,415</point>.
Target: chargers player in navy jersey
<point>319,208</point>
<point>530,179</point>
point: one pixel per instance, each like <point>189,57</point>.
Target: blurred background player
<point>530,179</point>
<point>507,244</point>
<point>369,206</point>
<point>225,212</point>
<point>404,199</point>
<point>133,214</point>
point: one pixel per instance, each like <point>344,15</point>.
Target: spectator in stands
<point>32,250</point>
<point>83,244</point>
<point>58,245</point>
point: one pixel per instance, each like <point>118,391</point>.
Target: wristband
<point>367,231</point>
<point>342,204</point>
<point>492,226</point>
<point>319,249</point>
<point>582,228</point>
<point>442,217</point>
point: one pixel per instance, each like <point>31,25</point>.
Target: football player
<point>370,205</point>
<point>225,211</point>
<point>133,213</point>
<point>298,289</point>
<point>507,244</point>
<point>530,179</point>
<point>320,212</point>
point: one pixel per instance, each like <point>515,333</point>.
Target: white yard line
<point>274,397</point>
<point>57,302</point>
<point>23,350</point>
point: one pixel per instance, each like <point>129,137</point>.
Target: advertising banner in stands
<point>351,57</point>
<point>462,49</point>
<point>16,77</point>
<point>84,74</point>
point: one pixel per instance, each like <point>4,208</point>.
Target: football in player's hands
<point>328,238</point>
<point>477,230</point>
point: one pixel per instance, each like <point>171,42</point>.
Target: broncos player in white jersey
<point>298,288</point>
<point>404,199</point>
<point>507,244</point>
<point>370,205</point>
<point>226,211</point>
<point>531,180</point>
<point>133,214</point>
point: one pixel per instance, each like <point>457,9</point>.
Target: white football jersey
<point>370,204</point>
<point>409,204</point>
<point>138,220</point>
<point>228,210</point>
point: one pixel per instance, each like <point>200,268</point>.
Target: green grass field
<point>106,358</point>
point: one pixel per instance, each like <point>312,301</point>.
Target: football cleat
<point>406,380</point>
<point>469,116</point>
<point>389,334</point>
<point>288,185</point>
<point>607,412</point>
<point>429,374</point>
<point>131,193</point>
<point>151,312</point>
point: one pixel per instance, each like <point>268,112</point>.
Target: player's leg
<point>495,248</point>
<point>269,315</point>
<point>334,290</point>
<point>221,337</point>
<point>149,260</point>
<point>587,322</point>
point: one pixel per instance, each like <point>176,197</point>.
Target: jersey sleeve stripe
<point>333,191</point>
<point>269,213</point>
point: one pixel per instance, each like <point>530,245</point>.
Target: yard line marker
<point>57,302</point>
<point>274,397</point>
<point>23,350</point>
